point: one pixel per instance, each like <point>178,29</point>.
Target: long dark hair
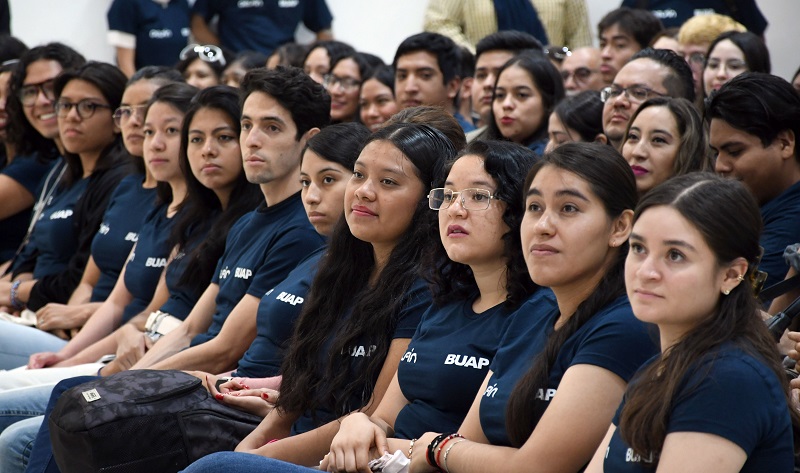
<point>339,143</point>
<point>611,180</point>
<point>727,216</point>
<point>201,215</point>
<point>549,85</point>
<point>583,113</point>
<point>507,163</point>
<point>374,307</point>
<point>21,134</point>
<point>110,81</point>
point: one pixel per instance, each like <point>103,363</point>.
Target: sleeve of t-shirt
<point>123,17</point>
<point>204,8</point>
<point>419,300</point>
<point>620,344</point>
<point>230,240</point>
<point>750,15</point>
<point>736,400</point>
<point>28,171</point>
<point>317,16</point>
<point>292,247</point>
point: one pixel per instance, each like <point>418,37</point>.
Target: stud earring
<point>726,292</point>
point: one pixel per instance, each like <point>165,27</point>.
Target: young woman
<point>576,118</point>
<point>479,280</point>
<point>202,65</point>
<point>344,83</point>
<point>716,398</point>
<point>559,373</point>
<point>233,74</point>
<point>347,343</point>
<point>317,62</point>
<point>376,102</point>
<point>527,89</point>
<point>731,54</point>
<point>289,54</point>
<point>665,138</point>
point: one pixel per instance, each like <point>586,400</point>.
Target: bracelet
<point>430,455</point>
<point>438,454</point>
<point>446,452</point>
<point>15,302</point>
<point>411,448</point>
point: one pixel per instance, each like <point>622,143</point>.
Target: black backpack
<point>142,421</point>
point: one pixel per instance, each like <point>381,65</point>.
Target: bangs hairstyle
<point>727,216</point>
<point>611,180</point>
<point>110,81</point>
<point>373,308</point>
<point>21,133</point>
<point>507,163</point>
<point>203,224</point>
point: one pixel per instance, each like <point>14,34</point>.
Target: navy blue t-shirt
<point>733,395</point>
<point>262,25</point>
<point>277,313</point>
<point>181,297</point>
<point>418,301</point>
<point>612,339</point>
<point>261,249</point>
<point>781,217</point>
<point>157,32</point>
<point>126,211</point>
<point>148,260</point>
<point>56,236</point>
<point>29,172</point>
<point>673,13</point>
<point>445,365</point>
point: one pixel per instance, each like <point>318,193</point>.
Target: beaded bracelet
<point>411,448</point>
<point>430,454</point>
<point>438,454</point>
<point>15,302</point>
<point>444,459</point>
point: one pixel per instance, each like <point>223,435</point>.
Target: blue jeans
<point>243,463</point>
<point>16,443</point>
<point>23,403</point>
<point>19,342</point>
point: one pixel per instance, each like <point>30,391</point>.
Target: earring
<point>740,278</point>
<point>726,292</point>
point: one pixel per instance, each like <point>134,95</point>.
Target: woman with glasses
<point>343,84</point>
<point>665,138</point>
<point>526,90</point>
<point>576,118</point>
<point>202,65</point>
<point>731,54</point>
<point>317,61</point>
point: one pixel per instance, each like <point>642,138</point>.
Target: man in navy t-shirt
<point>258,25</point>
<point>282,109</point>
<point>673,13</point>
<point>754,123</point>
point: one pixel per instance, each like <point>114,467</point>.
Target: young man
<point>490,54</point>
<point>650,73</point>
<point>754,122</point>
<point>427,72</point>
<point>623,32</point>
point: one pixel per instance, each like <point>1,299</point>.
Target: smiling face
<point>136,96</point>
<point>377,104</point>
<point>42,115</point>
<point>200,74</point>
<point>651,146</point>
<point>324,183</point>
<point>724,62</point>
<point>568,238</point>
<point>162,142</point>
<point>213,150</point>
<point>86,136</point>
<point>668,259</point>
<point>518,107</point>
<point>382,195</point>
<point>473,237</point>
<point>344,93</point>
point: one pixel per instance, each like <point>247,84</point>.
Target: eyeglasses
<point>636,93</point>
<point>471,199</point>
<point>734,65</point>
<point>347,83</point>
<point>29,92</point>
<point>581,74</point>
<point>85,108</point>
<point>556,53</point>
<point>696,59</point>
<point>125,112</point>
<point>206,52</point>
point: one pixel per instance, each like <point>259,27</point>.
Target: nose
<point>648,269</point>
<point>311,196</point>
<point>156,142</point>
<point>507,102</point>
<point>456,207</point>
<point>209,149</point>
<point>544,225</point>
<point>365,191</point>
<point>722,166</point>
<point>250,138</point>
<point>639,152</point>
<point>569,83</point>
<point>605,52</point>
<point>72,114</point>
<point>410,84</point>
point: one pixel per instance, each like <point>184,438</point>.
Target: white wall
<point>375,26</point>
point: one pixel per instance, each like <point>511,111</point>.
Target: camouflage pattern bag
<point>142,421</point>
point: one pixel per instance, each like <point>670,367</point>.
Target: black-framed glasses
<point>206,52</point>
<point>471,199</point>
<point>85,108</point>
<point>29,92</point>
<point>125,112</point>
<point>581,74</point>
<point>636,93</point>
<point>347,83</point>
<point>556,53</point>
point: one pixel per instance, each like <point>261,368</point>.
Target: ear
<point>733,274</point>
<point>786,143</point>
<point>466,86</point>
<point>621,229</point>
<point>453,87</point>
<point>311,132</point>
<point>601,138</point>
